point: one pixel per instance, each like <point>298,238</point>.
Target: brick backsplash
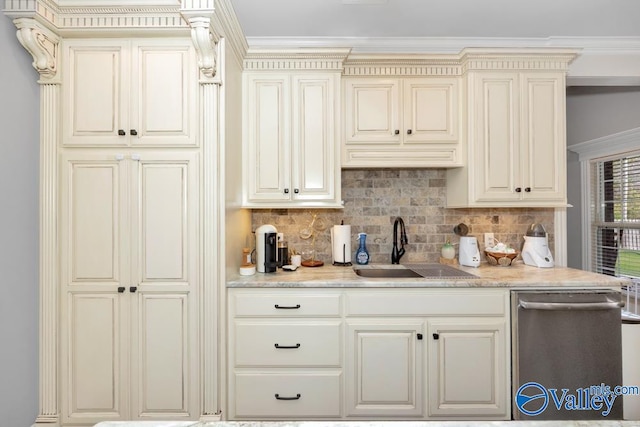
<point>374,198</point>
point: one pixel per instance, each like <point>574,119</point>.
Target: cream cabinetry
<point>129,283</point>
<point>291,127</point>
<point>285,354</point>
<point>516,136</point>
<point>377,353</point>
<point>461,349</point>
<point>384,368</point>
<point>137,92</point>
<point>402,122</point>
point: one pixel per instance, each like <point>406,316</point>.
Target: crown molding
<point>621,142</point>
<point>296,59</point>
<point>445,44</point>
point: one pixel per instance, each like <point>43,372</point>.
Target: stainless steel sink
<point>426,271</point>
<point>386,272</point>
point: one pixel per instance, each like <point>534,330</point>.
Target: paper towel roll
<point>341,243</point>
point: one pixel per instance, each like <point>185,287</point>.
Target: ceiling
<point>438,18</point>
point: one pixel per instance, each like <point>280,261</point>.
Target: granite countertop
<point>407,423</point>
<point>517,276</point>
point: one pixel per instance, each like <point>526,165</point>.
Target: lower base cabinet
<point>367,354</point>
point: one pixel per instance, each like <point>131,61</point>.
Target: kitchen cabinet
<point>384,367</point>
<point>402,122</point>
<point>128,286</point>
<point>439,354</point>
<point>285,355</point>
<point>290,141</point>
<point>460,349</point>
<point>139,92</point>
<point>517,142</point>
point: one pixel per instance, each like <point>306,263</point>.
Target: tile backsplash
<point>373,198</point>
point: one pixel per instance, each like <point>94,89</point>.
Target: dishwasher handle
<point>608,305</point>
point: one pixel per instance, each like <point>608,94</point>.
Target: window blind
<point>615,227</point>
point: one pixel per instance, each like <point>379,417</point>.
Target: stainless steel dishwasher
<point>566,350</point>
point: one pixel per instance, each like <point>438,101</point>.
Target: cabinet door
<point>383,369</point>
<point>94,264</point>
<point>430,110</point>
<point>468,368</point>
<point>165,244</point>
<point>543,137</point>
<point>314,139</point>
<point>372,111</point>
<point>268,137</point>
<point>95,92</point>
<point>163,93</point>
<point>496,137</point>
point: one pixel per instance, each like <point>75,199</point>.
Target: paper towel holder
<point>344,256</point>
<point>346,250</point>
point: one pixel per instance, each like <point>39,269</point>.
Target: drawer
<point>311,394</point>
<point>285,304</point>
<point>476,302</point>
<point>298,344</point>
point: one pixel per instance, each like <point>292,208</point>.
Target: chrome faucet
<point>396,253</point>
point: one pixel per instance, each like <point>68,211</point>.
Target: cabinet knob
<point>121,132</point>
<point>409,132</point>
<point>527,190</point>
<point>295,190</point>
<point>132,289</point>
<point>436,336</point>
<point>133,132</point>
<point>397,132</point>
<point>419,336</point>
<point>120,289</point>
<point>518,189</point>
<point>286,191</point>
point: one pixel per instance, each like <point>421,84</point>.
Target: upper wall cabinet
<point>516,131</point>
<point>402,122</point>
<point>129,93</point>
<point>291,131</point>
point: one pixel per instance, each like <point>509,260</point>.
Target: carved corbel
<point>41,43</point>
<point>205,42</point>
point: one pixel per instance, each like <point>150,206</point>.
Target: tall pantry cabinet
<point>129,207</point>
<point>128,218</point>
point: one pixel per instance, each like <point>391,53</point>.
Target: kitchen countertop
<point>517,276</point>
<point>532,423</point>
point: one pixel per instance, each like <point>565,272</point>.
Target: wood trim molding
<point>296,59</point>
<point>609,145</point>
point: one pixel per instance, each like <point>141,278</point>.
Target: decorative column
<point>199,15</point>
<point>43,45</point>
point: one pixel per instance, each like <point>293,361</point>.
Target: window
<point>615,220</point>
<point>615,225</point>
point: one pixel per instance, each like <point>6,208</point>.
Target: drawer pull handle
<point>287,307</point>
<point>296,397</point>
<point>287,346</point>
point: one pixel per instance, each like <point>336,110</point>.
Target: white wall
<point>19,138</point>
<point>592,112</point>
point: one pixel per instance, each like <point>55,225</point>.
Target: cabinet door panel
<point>372,111</point>
<point>268,137</point>
<point>543,137</point>
<point>314,124</point>
<point>468,349</point>
<point>93,364</point>
<point>92,217</point>
<point>384,368</point>
<point>430,110</point>
<point>166,202</point>
<point>163,386</point>
<point>497,138</point>
<point>95,87</point>
<point>163,94</point>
